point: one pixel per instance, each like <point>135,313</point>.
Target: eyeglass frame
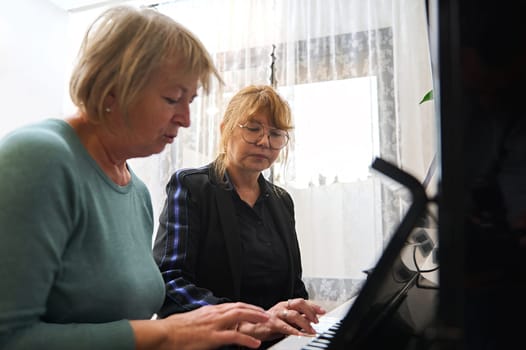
<point>263,127</point>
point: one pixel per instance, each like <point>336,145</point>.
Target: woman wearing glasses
<point>228,234</point>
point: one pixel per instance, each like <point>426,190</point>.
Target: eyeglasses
<point>252,132</point>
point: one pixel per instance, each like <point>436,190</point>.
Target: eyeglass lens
<point>253,132</point>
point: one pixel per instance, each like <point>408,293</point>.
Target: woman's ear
<point>109,101</point>
<point>221,126</point>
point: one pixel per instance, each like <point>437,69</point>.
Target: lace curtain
<point>353,72</point>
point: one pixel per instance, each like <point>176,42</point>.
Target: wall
<point>33,64</point>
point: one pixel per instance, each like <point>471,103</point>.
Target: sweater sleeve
<point>36,220</point>
<point>176,250</point>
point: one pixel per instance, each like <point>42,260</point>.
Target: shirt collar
<point>263,185</point>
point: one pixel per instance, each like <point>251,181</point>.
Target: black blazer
<point>202,266</point>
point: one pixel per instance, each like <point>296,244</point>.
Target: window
<point>336,130</point>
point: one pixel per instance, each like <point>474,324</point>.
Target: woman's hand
<point>208,327</point>
<point>292,317</point>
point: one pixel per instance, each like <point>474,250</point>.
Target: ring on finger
<point>288,304</point>
<point>284,313</point>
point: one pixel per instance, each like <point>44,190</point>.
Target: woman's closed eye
<point>254,129</point>
<point>172,101</point>
<point>277,133</point>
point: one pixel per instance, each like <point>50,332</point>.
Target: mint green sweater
<point>75,248</point>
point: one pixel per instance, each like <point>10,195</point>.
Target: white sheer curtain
<point>354,72</point>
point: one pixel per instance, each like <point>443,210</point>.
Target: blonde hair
<point>241,108</point>
<point>120,51</point>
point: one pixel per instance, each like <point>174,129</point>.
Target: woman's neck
<point>97,142</point>
<point>246,184</point>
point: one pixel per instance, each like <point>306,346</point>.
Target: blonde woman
<point>228,234</point>
<point>76,266</point>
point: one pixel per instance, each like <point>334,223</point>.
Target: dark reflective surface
<point>482,93</point>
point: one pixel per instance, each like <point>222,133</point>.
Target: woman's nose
<point>182,115</point>
<point>264,140</point>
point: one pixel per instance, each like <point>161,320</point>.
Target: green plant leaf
<point>427,97</point>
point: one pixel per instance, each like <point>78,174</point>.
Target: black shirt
<point>264,273</point>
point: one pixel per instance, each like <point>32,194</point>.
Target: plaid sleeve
<point>176,249</point>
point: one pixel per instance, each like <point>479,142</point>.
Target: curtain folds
<point>353,72</point>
